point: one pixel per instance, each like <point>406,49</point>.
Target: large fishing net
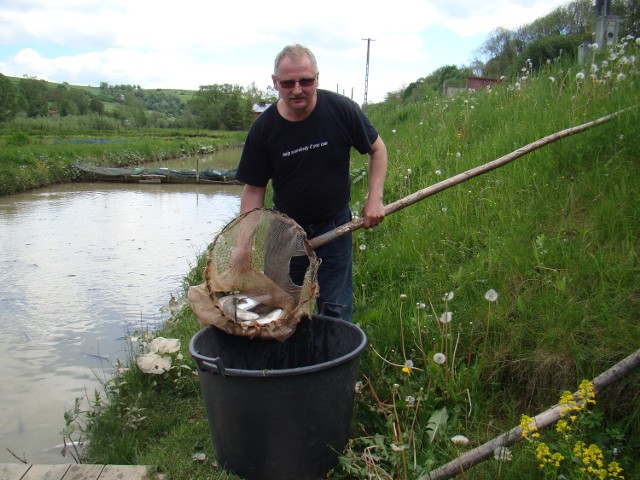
<point>249,290</point>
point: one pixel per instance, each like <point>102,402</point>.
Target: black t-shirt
<point>308,160</point>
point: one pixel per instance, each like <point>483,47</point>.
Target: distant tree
<point>232,115</point>
<point>80,99</point>
<point>8,99</point>
<point>34,95</point>
<point>96,106</point>
<point>135,111</point>
<point>502,48</point>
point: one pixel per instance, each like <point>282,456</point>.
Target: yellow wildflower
<point>529,427</point>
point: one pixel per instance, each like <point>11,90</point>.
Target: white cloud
<point>191,43</point>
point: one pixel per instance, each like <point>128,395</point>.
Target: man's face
<point>297,83</point>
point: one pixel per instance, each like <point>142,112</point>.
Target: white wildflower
<point>446,317</point>
<point>460,440</point>
<point>580,76</point>
<point>154,363</point>
<point>502,454</point>
<point>398,448</point>
<point>163,345</point>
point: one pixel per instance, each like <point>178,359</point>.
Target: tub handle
<point>215,365</point>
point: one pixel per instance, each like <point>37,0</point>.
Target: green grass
<point>40,152</point>
<point>555,234</point>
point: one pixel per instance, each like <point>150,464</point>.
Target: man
<point>302,144</point>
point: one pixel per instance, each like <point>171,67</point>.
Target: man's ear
<point>275,81</point>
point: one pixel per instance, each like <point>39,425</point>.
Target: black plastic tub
<point>280,410</point>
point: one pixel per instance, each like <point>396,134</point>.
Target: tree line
<point>215,107</point>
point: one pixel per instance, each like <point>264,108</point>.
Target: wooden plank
<point>46,472</point>
<point>13,471</point>
<point>83,472</point>
<point>118,472</point>
<point>20,471</point>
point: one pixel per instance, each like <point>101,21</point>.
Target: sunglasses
<point>304,82</point>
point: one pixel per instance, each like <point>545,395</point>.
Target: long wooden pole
<point>542,420</point>
<point>463,177</point>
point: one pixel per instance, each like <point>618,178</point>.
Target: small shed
<point>258,108</point>
<point>478,83</point>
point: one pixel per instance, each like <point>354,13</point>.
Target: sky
<point>189,43</point>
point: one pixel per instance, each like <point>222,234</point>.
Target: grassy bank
<point>39,152</point>
<point>482,304</point>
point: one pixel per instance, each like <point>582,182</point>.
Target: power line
<point>366,75</point>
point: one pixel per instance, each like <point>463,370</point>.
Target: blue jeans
<point>335,275</point>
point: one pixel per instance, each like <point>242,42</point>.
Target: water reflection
<point>80,265</point>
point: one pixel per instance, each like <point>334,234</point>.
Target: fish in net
<point>248,289</point>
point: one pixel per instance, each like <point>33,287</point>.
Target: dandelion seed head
<point>363,247</point>
<point>446,317</point>
<point>448,296</point>
<point>403,297</point>
<point>408,363</point>
<point>580,76</point>
<point>411,401</point>
<point>439,358</point>
<point>491,295</point>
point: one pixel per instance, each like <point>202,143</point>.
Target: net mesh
<point>248,289</point>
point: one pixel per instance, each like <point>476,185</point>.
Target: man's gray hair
<point>295,52</point>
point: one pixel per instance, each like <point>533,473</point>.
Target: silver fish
<point>270,317</point>
<point>231,307</point>
<point>243,302</point>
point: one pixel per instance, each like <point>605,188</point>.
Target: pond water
<point>82,265</point>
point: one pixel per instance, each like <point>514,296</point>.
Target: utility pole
<point>366,75</point>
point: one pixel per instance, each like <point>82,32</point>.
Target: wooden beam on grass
<point>542,420</point>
